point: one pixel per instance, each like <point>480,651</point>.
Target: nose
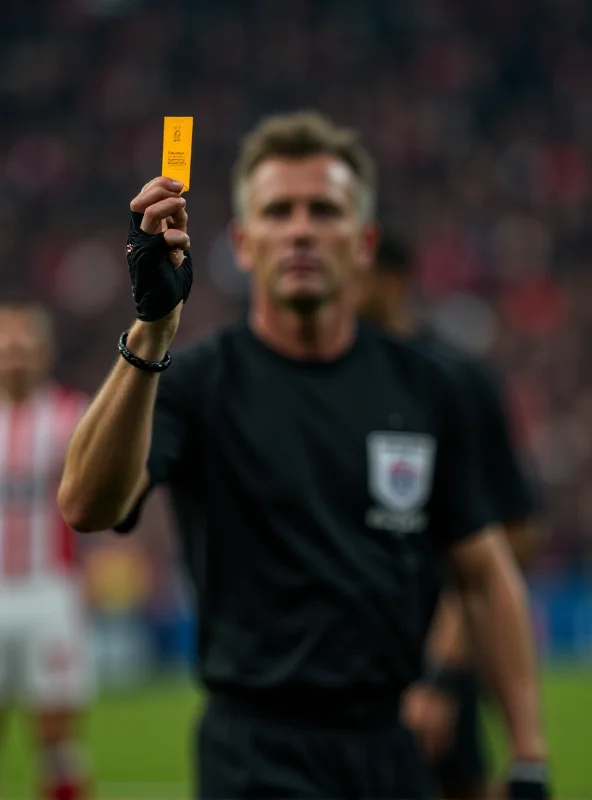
<point>301,227</point>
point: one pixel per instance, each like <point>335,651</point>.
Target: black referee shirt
<point>308,496</point>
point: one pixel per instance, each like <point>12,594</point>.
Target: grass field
<point>140,741</point>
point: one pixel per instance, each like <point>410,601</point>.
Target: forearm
<point>498,624</point>
<point>447,641</point>
<point>105,464</point>
<point>525,538</point>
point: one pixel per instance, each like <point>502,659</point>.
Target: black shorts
<point>465,763</point>
<point>242,756</point>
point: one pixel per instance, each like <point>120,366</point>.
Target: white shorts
<point>45,655</point>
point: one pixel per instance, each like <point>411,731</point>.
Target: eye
<point>278,210</point>
<point>325,209</point>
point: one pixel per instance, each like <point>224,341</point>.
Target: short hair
<point>394,254</point>
<point>301,135</point>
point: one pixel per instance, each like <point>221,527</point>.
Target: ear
<point>368,243</point>
<point>240,243</point>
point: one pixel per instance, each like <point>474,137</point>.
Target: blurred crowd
<point>480,117</point>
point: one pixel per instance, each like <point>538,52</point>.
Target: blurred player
<point>385,298</point>
<point>325,459</point>
<point>43,657</point>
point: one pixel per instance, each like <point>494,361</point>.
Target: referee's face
<point>302,237</point>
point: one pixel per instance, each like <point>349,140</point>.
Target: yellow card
<point>176,149</point>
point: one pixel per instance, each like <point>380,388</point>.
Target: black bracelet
<point>140,363</point>
<point>444,678</point>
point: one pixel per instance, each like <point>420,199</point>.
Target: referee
<point>314,465</point>
<point>459,756</point>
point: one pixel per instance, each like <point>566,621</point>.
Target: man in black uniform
<point>313,462</point>
<point>385,298</point>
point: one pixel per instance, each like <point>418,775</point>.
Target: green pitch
<point>140,741</point>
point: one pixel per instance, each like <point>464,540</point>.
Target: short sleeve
<point>461,505</point>
<point>512,493</point>
<point>169,434</point>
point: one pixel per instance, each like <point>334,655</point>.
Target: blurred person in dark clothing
<point>314,464</point>
<point>44,649</point>
<point>443,708</point>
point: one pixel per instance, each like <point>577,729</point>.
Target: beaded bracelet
<point>140,363</point>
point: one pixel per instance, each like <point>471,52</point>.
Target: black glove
<point>158,287</point>
<point>529,781</point>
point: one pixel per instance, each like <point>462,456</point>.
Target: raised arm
<point>105,470</point>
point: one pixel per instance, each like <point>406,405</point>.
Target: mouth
<point>302,266</point>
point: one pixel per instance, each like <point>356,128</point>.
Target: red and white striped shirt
<point>34,539</point>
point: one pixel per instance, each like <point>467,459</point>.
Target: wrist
<point>528,749</point>
<point>151,340</point>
